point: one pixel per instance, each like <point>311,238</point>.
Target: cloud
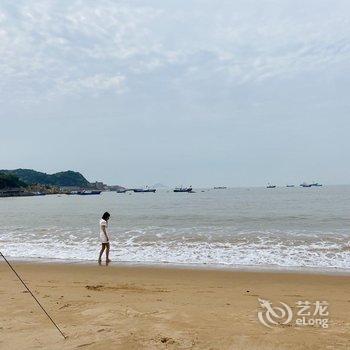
<point>95,84</point>
<point>55,48</point>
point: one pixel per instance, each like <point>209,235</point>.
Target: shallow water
<point>286,227</point>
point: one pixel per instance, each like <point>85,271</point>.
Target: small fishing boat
<point>270,186</point>
<point>88,192</point>
<point>220,188</point>
<point>304,184</point>
<point>183,189</point>
<point>290,186</point>
<point>145,190</point>
<point>72,192</point>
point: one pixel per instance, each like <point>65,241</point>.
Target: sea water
<point>282,227</point>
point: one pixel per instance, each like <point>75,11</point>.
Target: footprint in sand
<point>124,287</point>
<point>64,306</point>
<point>104,330</point>
<point>167,340</point>
<point>98,287</point>
<point>86,344</point>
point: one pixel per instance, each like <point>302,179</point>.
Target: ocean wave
<point>189,245</point>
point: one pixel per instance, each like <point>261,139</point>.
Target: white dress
<point>103,237</point>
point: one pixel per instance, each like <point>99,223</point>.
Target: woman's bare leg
<point>107,253</point>
<point>101,251</point>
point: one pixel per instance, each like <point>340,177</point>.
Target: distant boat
<point>290,186</point>
<point>316,184</point>
<point>183,189</point>
<point>220,188</point>
<point>121,190</point>
<point>304,184</point>
<point>88,193</point>
<point>145,190</point>
<point>72,192</point>
<point>270,186</point>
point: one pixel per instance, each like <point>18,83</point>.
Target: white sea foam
<point>186,246</point>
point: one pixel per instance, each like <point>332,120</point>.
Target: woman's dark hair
<point>106,216</point>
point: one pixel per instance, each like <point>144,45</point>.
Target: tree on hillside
<point>10,181</point>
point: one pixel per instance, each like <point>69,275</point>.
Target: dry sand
<point>119,307</point>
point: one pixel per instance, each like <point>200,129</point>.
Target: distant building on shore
<point>99,186</point>
<point>116,188</point>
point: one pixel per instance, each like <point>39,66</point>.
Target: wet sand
<point>131,307</point>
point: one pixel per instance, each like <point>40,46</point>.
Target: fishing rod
<point>42,308</point>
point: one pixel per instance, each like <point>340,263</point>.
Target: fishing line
<point>53,322</point>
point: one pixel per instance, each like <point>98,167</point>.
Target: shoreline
<point>219,267</point>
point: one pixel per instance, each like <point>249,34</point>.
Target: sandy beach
<point>132,307</point>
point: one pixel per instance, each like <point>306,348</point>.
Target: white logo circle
<point>273,315</point>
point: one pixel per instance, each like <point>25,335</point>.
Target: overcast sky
<point>236,92</point>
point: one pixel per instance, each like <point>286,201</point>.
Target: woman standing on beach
<point>104,238</point>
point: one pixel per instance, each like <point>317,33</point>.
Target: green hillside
<point>10,181</point>
<point>64,178</point>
